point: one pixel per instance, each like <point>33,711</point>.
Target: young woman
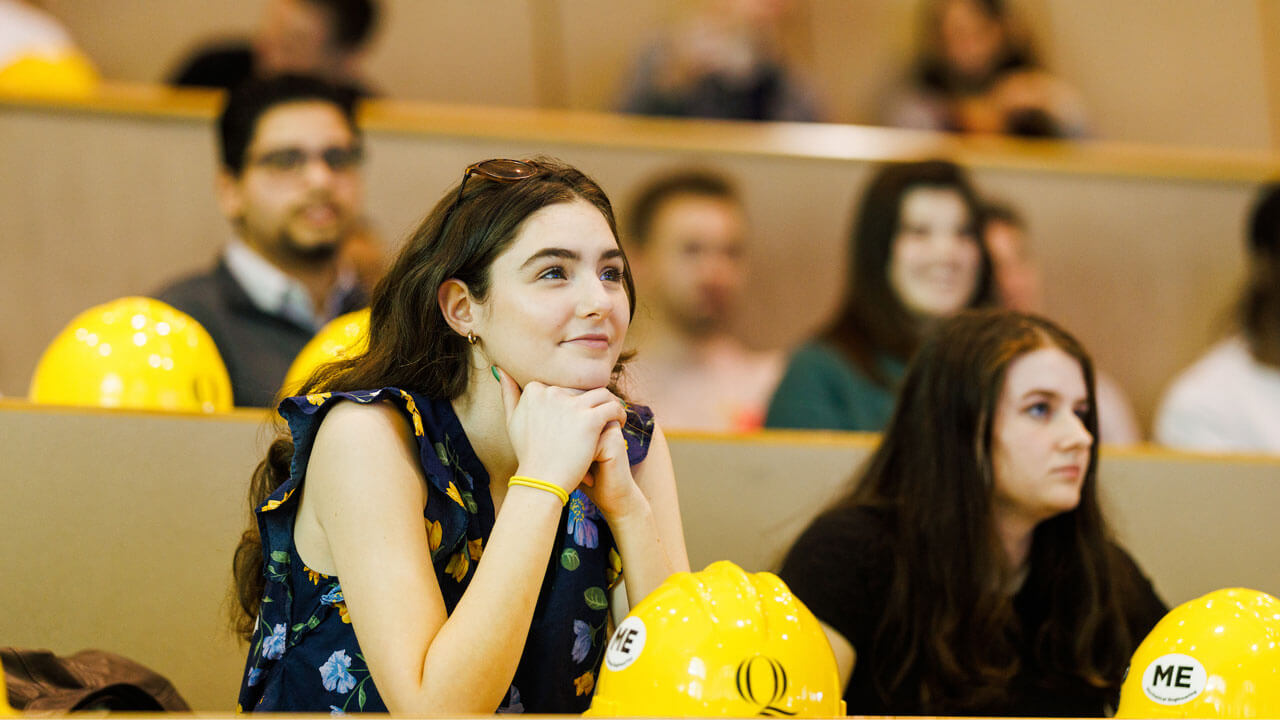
<point>970,571</point>
<point>915,258</point>
<point>439,530</point>
<point>977,72</point>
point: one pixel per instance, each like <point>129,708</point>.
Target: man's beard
<point>314,254</point>
<point>698,323</point>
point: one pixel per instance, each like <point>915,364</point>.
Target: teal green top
<point>821,390</point>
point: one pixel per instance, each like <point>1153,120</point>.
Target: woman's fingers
<point>599,396</point>
<point>609,413</point>
<point>613,489</point>
<point>555,431</point>
<point>611,447</point>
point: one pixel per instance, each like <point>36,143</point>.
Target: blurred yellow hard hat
<point>343,336</point>
<point>721,642</point>
<point>54,74</point>
<point>134,352</point>
<point>5,709</point>
<point>1217,656</point>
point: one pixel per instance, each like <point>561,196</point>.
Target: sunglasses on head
<point>499,170</point>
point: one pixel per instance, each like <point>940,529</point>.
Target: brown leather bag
<point>88,680</point>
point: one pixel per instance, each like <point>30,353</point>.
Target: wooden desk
<point>119,526</point>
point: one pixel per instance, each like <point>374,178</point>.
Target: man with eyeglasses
<point>291,185</point>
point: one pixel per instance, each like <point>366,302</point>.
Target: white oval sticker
<point>626,644</point>
<point>1174,679</point>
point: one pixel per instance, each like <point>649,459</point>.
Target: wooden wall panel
<point>1143,267</point>
<point>457,52</point>
<point>96,208</point>
<point>434,50</point>
<point>861,51</point>
<point>1269,29</point>
<point>1189,72</point>
<point>144,40</point>
<point>119,533</point>
<point>601,41</point>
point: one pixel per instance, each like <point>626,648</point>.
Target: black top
<point>224,66</point>
<point>256,347</point>
<point>230,64</point>
<point>841,568</point>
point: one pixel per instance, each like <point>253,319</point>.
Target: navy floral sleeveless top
<point>304,655</point>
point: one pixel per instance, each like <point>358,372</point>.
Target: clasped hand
<point>572,438</point>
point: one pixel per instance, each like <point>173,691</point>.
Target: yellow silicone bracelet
<point>540,485</point>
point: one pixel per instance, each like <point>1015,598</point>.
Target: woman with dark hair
<point>1229,399</point>
<point>915,258</point>
<point>481,421</point>
<point>977,72</point>
<point>970,570</point>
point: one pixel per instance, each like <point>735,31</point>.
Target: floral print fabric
<point>304,655</point>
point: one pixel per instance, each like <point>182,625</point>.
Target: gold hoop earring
<point>471,338</point>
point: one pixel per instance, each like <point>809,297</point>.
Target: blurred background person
<point>726,61</point>
<point>1019,287</point>
<point>324,38</point>
<point>1229,399</point>
<point>970,569</point>
<point>688,248</point>
<point>977,72</point>
<point>1013,265</point>
<point>38,55</point>
<point>291,186</point>
<point>915,258</point>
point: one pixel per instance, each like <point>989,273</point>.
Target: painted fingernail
<point>494,369</point>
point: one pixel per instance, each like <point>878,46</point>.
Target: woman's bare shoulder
<point>373,440</point>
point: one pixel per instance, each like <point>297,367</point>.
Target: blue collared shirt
<point>277,293</point>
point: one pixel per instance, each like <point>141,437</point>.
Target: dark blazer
<point>256,347</point>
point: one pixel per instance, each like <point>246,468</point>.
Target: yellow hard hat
<point>721,642</point>
<point>1217,656</point>
<point>5,709</point>
<point>134,352</point>
<point>53,74</point>
<point>343,336</point>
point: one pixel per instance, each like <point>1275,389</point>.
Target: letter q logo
<point>1174,679</point>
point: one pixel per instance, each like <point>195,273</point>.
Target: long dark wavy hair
<point>410,343</point>
<point>1260,301</point>
<point>873,321</point>
<point>948,618</point>
<point>934,72</point>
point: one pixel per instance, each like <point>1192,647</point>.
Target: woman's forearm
<point>480,645</point>
<point>646,562</point>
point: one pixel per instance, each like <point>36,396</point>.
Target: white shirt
<point>725,387</point>
<point>1226,401</point>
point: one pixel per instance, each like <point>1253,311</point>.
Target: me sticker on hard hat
<point>1174,679</point>
<point>626,645</point>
